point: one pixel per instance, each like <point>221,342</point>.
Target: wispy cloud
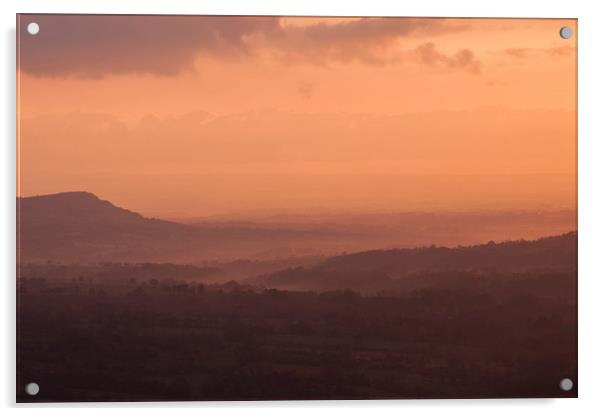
<point>525,53</point>
<point>306,89</point>
<point>427,54</point>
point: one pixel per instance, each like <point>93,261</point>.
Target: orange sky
<point>198,116</point>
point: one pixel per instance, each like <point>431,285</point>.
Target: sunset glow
<point>204,115</point>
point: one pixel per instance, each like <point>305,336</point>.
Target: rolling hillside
<point>430,266</point>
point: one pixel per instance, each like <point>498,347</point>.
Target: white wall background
<point>590,199</point>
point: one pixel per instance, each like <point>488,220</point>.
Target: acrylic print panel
<point>269,208</point>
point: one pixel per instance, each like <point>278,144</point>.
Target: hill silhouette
<point>79,227</point>
<point>73,209</point>
<point>430,266</point>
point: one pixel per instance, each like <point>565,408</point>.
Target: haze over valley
<point>79,227</point>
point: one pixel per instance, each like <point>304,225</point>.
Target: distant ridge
<point>385,268</point>
<point>543,252</point>
<point>79,227</point>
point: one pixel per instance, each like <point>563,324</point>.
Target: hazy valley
<point>293,307</point>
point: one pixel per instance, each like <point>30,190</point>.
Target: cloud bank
<point>92,46</point>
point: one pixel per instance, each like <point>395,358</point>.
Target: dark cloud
<point>91,46</point>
